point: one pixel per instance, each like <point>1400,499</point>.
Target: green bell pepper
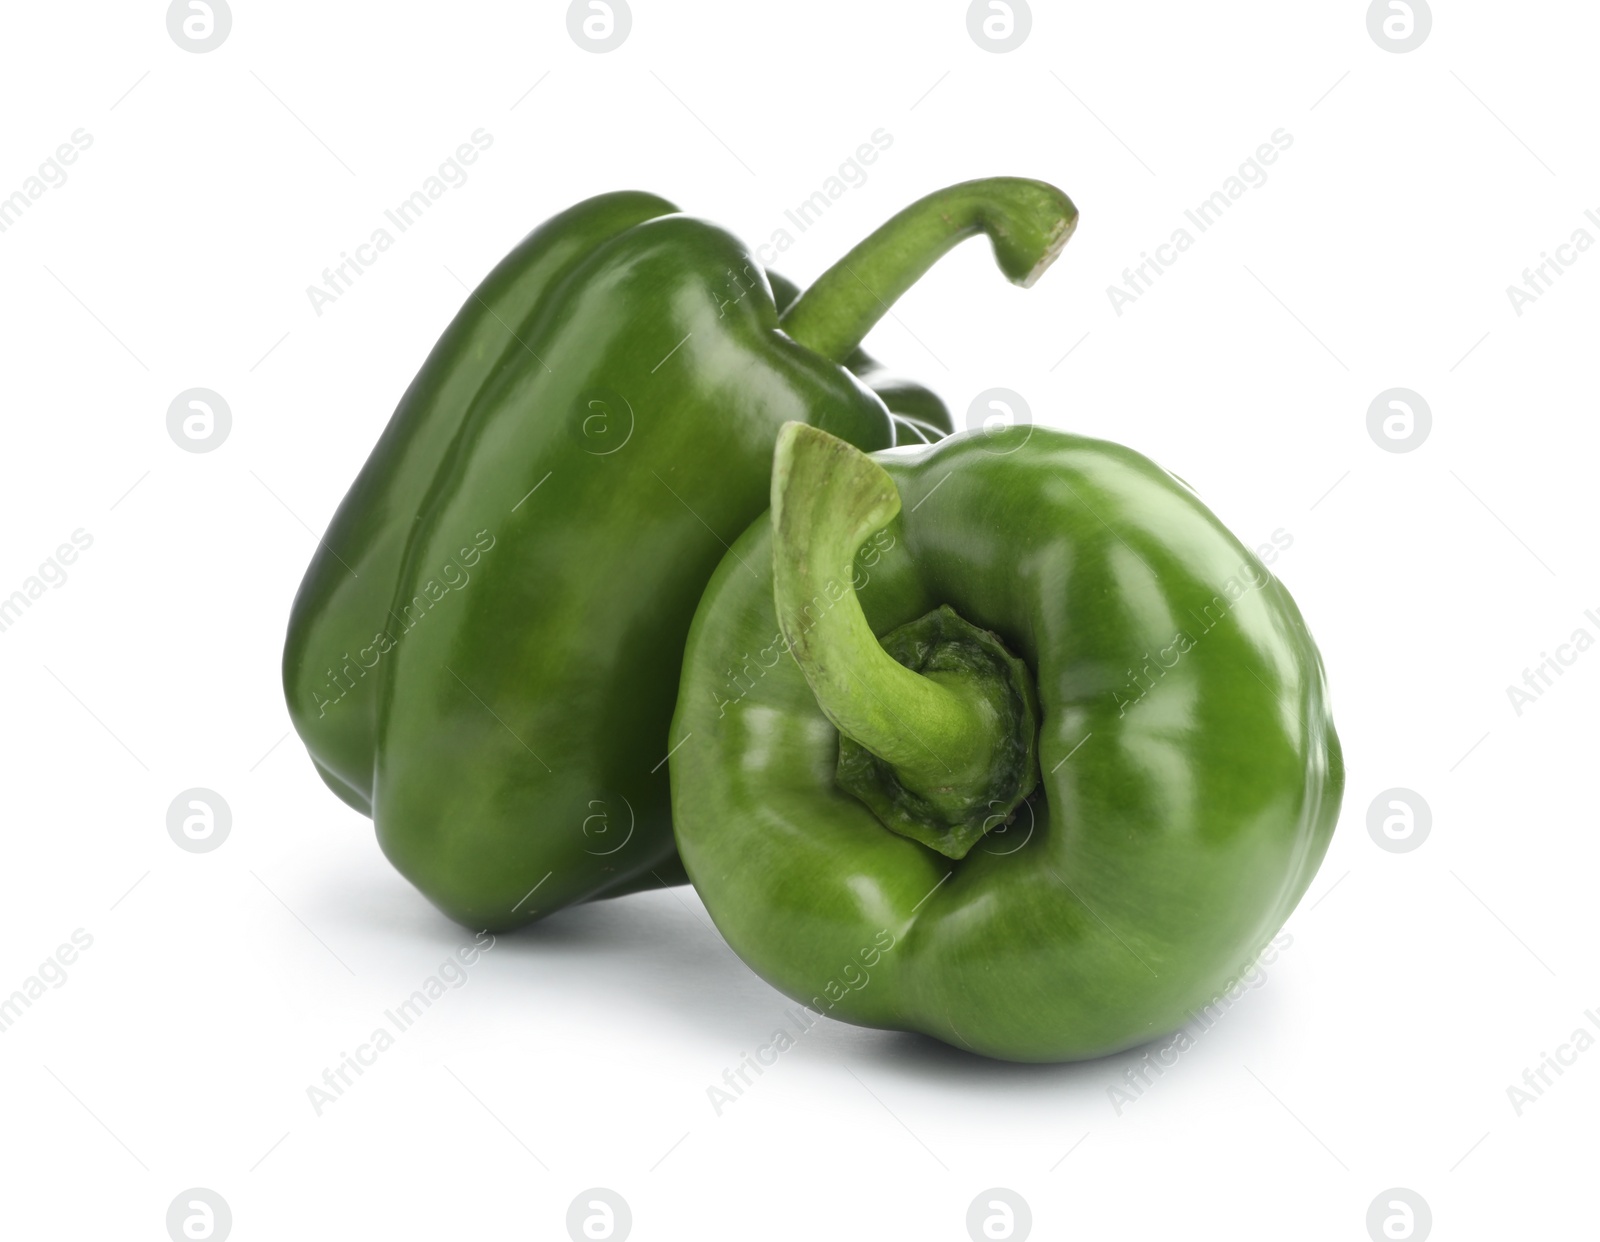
<point>484,653</point>
<point>1005,739</point>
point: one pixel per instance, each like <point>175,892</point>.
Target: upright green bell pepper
<point>1004,739</point>
<point>484,653</point>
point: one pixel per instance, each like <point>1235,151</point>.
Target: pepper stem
<point>1027,221</point>
<point>940,755</point>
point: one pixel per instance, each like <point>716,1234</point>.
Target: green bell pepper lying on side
<point>484,653</point>
<point>1005,739</point>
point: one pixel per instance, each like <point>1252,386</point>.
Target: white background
<point>1418,986</point>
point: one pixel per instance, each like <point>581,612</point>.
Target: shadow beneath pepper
<point>914,1055</point>
<point>664,946</point>
<point>656,957</point>
<point>656,951</point>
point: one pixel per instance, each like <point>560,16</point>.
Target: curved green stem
<point>942,755</point>
<point>1027,221</point>
<point>828,498</point>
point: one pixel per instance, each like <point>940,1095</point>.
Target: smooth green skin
<point>508,736</point>
<point>345,597</point>
<point>485,651</point>
<point>1174,828</point>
